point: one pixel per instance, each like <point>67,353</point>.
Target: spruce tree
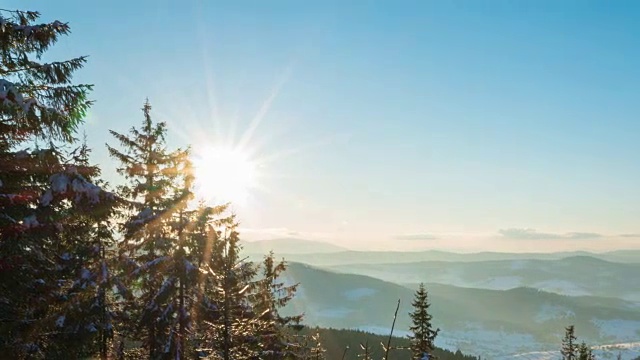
<point>272,294</point>
<point>84,326</point>
<point>152,252</point>
<point>585,352</point>
<point>45,195</point>
<point>38,98</point>
<point>422,340</point>
<point>569,349</point>
<point>199,240</point>
<point>227,309</point>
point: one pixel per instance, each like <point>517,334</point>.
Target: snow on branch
<point>72,183</point>
<point>149,265</point>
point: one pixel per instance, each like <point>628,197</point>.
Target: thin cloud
<point>532,234</point>
<point>629,235</point>
<point>584,235</point>
<point>415,237</point>
<point>273,233</point>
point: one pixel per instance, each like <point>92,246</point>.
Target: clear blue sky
<point>444,120</point>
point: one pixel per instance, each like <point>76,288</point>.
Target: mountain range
<point>290,246</point>
<point>484,322</point>
<point>576,275</point>
<point>492,304</point>
<point>322,253</point>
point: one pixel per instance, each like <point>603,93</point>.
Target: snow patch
<point>627,351</point>
<point>552,312</point>
<point>60,321</point>
<point>359,293</point>
<point>476,340</point>
<point>334,313</point>
<point>618,329</point>
<point>634,296</point>
<point>561,287</point>
<point>30,222</point>
<point>105,272</point>
<point>519,264</point>
<point>189,267</point>
<point>143,217</point>
<point>62,182</point>
<point>85,274</point>
<point>501,283</point>
<point>59,183</point>
<point>150,264</point>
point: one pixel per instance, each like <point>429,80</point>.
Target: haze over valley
<point>534,295</point>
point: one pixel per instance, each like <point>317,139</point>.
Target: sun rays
<point>240,151</point>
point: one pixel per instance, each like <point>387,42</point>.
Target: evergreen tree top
<point>423,334</point>
<point>38,98</point>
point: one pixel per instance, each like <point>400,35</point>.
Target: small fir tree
<point>272,294</point>
<point>422,340</point>
<point>585,352</point>
<point>569,349</point>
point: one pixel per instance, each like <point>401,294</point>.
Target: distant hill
<point>627,256</point>
<point>479,322</point>
<point>333,258</point>
<point>289,246</point>
<point>576,275</point>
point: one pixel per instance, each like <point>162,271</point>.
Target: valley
<point>495,305</point>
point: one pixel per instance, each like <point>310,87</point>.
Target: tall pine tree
<point>200,235</point>
<point>155,268</point>
<point>45,194</point>
<point>423,333</point>
<point>85,245</point>
<point>569,349</point>
<point>233,324</point>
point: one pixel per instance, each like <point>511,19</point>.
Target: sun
<point>223,175</point>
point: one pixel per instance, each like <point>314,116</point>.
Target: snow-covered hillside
<point>490,323</point>
<point>627,351</point>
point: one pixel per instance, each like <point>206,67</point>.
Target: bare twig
<point>344,354</point>
<point>393,325</point>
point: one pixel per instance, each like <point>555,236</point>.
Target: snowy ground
<point>500,283</point>
<point>359,293</point>
<point>561,287</point>
<point>475,340</point>
<point>551,312</point>
<point>627,351</point>
<point>618,329</point>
